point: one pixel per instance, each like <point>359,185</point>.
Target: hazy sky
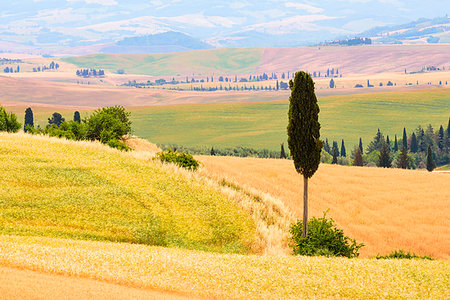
<point>95,20</point>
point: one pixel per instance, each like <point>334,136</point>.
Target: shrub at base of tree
<point>323,239</point>
<point>181,159</point>
<point>400,254</point>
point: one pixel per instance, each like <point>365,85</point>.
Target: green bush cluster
<point>181,159</point>
<point>323,239</point>
<point>108,125</point>
<point>400,254</point>
<point>8,121</point>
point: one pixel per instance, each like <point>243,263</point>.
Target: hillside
<point>352,60</point>
<point>82,190</point>
<point>386,209</point>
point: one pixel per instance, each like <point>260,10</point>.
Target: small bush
<point>323,239</point>
<point>8,121</point>
<point>400,254</point>
<point>181,159</point>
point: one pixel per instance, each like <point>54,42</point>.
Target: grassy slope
<point>263,125</point>
<point>233,60</point>
<point>57,188</point>
<point>228,275</point>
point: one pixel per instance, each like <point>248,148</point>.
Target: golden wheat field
<point>386,209</point>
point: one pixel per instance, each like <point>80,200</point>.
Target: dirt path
<point>26,284</point>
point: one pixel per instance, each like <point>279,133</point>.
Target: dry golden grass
<point>386,209</point>
<point>227,275</point>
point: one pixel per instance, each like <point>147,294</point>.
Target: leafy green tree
<point>431,165</point>
<point>384,158</point>
<point>335,155</point>
<point>377,143</point>
<point>405,139</point>
<point>403,159</point>
<point>413,146</point>
<point>29,120</point>
<point>56,119</point>
<point>282,153</point>
<point>109,123</point>
<point>76,117</point>
<point>358,159</point>
<point>8,121</point>
<point>304,133</point>
<point>343,152</point>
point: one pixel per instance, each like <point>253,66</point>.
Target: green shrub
<point>400,254</point>
<point>179,158</point>
<point>118,145</point>
<point>8,121</point>
<point>323,239</point>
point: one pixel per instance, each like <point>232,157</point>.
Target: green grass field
<point>84,190</point>
<point>225,61</point>
<point>263,125</point>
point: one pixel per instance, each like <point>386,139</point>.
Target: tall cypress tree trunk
<point>305,206</point>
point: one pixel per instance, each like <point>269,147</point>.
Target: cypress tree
<point>343,152</point>
<point>448,134</point>
<point>213,152</point>
<point>405,139</point>
<point>358,159</point>
<point>29,119</point>
<point>304,133</point>
<point>76,117</point>
<point>403,159</point>
<point>335,147</point>
<point>360,145</point>
<point>335,155</point>
<point>283,153</point>
<point>431,165</point>
<point>395,144</point>
<point>388,143</point>
<point>384,157</point>
<point>326,146</point>
<point>377,142</point>
<point>441,136</point>
<point>413,146</point>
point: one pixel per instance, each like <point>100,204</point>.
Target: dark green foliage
<point>183,160</point>
<point>405,139</point>
<point>403,159</point>
<point>431,165</point>
<point>235,151</point>
<point>395,144</point>
<point>384,158</point>
<point>212,153</point>
<point>388,143</point>
<point>304,127</point>
<point>441,135</point>
<point>282,152</point>
<point>335,155</point>
<point>413,146</point>
<point>448,134</point>
<point>343,152</point>
<point>332,84</point>
<point>326,146</point>
<point>335,148</point>
<point>8,121</point>
<point>358,159</point>
<point>76,117</point>
<point>29,119</point>
<point>420,136</point>
<point>323,239</point>
<point>400,254</point>
<point>377,142</point>
<point>361,145</point>
<point>110,123</point>
<point>56,119</point>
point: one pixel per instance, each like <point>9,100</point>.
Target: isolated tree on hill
<point>304,133</point>
<point>343,152</point>
<point>395,144</point>
<point>29,119</point>
<point>405,139</point>
<point>403,159</point>
<point>358,159</point>
<point>335,155</point>
<point>360,145</point>
<point>384,157</point>
<point>332,83</point>
<point>282,153</point>
<point>413,146</point>
<point>56,119</point>
<point>76,117</point>
<point>431,165</point>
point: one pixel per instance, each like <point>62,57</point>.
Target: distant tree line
<point>6,61</point>
<point>86,73</point>
<point>52,66</point>
<point>348,42</point>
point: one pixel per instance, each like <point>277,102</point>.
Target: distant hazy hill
<point>422,31</point>
<point>157,43</point>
